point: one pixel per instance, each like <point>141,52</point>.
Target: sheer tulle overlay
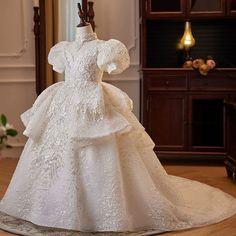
<point>89,165</point>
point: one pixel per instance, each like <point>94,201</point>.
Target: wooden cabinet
<point>185,113</point>
<point>189,9</point>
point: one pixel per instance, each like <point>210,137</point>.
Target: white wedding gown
<point>89,165</point>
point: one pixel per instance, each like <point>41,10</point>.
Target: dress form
<point>83,29</point>
<point>82,32</point>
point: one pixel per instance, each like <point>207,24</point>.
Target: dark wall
<point>213,38</point>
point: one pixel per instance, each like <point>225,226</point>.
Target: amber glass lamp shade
<point>187,41</point>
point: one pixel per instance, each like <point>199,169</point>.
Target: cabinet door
<point>207,8</point>
<point>231,137</point>
<point>231,7</point>
<point>166,120</point>
<point>207,131</point>
<point>164,8</point>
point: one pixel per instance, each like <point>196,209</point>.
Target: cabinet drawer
<point>216,84</point>
<point>167,83</point>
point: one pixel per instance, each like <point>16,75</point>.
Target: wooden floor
<point>212,175</point>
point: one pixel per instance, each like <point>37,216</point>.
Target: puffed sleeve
<point>113,57</point>
<point>56,57</point>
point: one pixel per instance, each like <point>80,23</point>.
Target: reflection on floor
<point>212,175</point>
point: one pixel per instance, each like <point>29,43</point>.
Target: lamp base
<point>187,55</point>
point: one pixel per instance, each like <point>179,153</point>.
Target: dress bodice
<point>84,62</point>
<point>86,59</point>
<point>81,62</point>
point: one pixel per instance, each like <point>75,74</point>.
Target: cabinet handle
<point>167,83</point>
<point>146,5</point>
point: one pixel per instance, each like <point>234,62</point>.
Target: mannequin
<point>83,29</point>
<point>81,16</point>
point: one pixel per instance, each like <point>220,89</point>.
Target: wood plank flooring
<point>212,175</point>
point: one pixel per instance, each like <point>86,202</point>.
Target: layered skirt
<point>89,165</point>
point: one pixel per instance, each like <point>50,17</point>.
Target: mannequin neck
<point>83,32</point>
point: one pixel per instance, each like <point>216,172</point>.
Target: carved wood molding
<point>20,51</point>
<point>17,81</point>
<point>18,66</point>
<point>134,18</point>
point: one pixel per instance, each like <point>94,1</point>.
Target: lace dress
<point>89,165</point>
